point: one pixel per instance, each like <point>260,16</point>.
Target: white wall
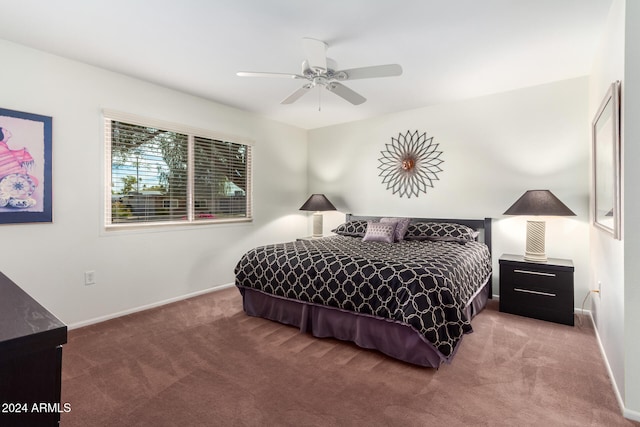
<point>607,254</point>
<point>615,262</point>
<point>631,125</point>
<point>494,149</point>
<point>133,269</point>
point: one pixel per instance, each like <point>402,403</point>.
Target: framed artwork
<point>606,164</point>
<point>25,167</point>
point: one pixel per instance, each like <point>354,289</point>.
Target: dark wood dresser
<point>542,290</point>
<point>31,341</point>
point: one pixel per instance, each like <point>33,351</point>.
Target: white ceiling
<point>449,50</point>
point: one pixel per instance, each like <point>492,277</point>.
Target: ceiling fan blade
<point>316,53</point>
<point>261,74</point>
<point>346,93</point>
<point>296,95</point>
<point>388,70</point>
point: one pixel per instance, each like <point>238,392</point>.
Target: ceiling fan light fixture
<point>320,81</point>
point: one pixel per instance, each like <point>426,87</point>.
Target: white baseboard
<point>147,306</point>
<point>631,415</point>
<point>627,413</point>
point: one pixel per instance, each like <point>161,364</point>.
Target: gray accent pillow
<point>380,232</point>
<point>401,227</point>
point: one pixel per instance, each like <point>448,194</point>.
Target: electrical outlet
<point>90,277</point>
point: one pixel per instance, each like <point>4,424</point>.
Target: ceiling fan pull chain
<point>319,100</point>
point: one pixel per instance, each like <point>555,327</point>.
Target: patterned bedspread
<point>424,284</point>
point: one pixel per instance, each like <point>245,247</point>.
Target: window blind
<point>159,176</point>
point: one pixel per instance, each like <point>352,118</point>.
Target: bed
<point>411,297</point>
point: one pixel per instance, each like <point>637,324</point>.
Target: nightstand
<point>539,290</point>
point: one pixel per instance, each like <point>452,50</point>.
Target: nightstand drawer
<point>537,304</point>
<point>539,290</point>
<point>526,283</point>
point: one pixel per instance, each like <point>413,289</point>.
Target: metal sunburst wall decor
<point>410,164</point>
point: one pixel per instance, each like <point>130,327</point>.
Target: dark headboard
<point>481,225</point>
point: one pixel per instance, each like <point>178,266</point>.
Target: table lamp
<point>535,203</point>
<point>317,203</point>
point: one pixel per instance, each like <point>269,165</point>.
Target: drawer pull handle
<point>529,291</point>
<point>537,273</point>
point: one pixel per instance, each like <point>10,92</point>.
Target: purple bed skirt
<point>389,337</point>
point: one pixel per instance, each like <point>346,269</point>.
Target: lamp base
<point>535,242</point>
<point>317,224</point>
<point>535,257</point>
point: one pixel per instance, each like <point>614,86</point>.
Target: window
<point>160,173</point>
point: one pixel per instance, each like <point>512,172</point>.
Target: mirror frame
<point>605,131</point>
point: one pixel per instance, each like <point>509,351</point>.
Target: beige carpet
<point>203,362</point>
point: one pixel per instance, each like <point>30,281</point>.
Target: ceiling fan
<point>319,70</point>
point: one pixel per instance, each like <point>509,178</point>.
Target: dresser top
<point>25,325</point>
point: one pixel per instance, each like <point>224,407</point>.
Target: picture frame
<point>606,197</point>
<point>25,167</point>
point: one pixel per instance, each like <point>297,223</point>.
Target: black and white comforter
<point>423,284</point>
